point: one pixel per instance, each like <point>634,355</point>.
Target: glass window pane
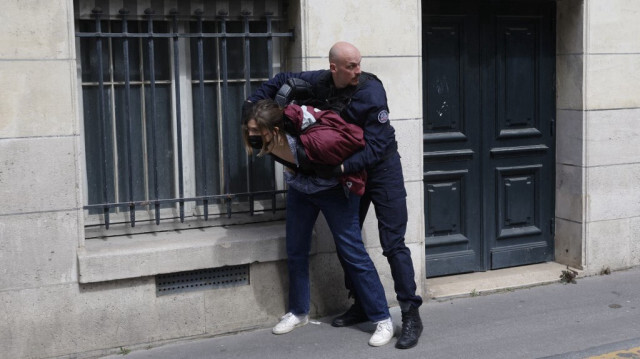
<point>263,178</point>
<point>89,53</point>
<point>235,51</point>
<point>133,45</point>
<point>209,52</point>
<point>162,54</point>
<point>162,165</point>
<point>235,153</point>
<point>123,139</point>
<point>98,168</point>
<point>259,53</point>
<point>206,143</point>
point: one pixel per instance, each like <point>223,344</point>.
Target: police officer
<point>360,98</point>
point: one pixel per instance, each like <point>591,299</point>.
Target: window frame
<point>227,208</point>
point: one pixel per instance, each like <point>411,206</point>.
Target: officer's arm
<point>270,88</point>
<point>378,134</point>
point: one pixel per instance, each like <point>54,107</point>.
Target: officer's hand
<point>294,90</point>
<point>327,171</point>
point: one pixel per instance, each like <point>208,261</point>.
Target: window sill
<point>176,251</point>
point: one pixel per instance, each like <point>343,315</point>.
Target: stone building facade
<point>66,290</point>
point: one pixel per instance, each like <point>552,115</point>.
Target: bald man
<point>360,98</point>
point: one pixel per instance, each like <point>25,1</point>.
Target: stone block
<point>259,304</point>
<point>402,80</point>
<point>634,241</point>
<point>612,137</point>
<point>52,321</point>
<point>570,125</point>
<point>570,23</point>
<point>613,192</point>
<point>570,81</point>
<point>569,192</point>
<point>613,26</point>
<point>569,243</point>
<point>142,255</point>
<point>373,31</point>
<point>37,98</point>
<point>38,174</point>
<point>608,245</point>
<point>315,63</point>
<point>613,81</point>
<point>409,137</point>
<point>415,208</point>
<point>37,29</point>
<point>38,249</point>
<point>329,296</point>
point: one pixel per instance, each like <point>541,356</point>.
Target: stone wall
<point>598,173</point>
<point>61,296</point>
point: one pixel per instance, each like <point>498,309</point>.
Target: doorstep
<point>495,280</point>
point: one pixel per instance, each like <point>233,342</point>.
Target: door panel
<point>518,167</point>
<point>451,144</point>
<point>489,102</point>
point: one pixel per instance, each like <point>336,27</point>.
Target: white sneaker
<point>383,333</point>
<point>290,322</point>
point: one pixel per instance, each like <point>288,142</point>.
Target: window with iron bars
<point>161,107</point>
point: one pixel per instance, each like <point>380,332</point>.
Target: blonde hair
<point>268,116</point>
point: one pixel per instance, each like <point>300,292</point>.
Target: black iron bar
<point>176,71</point>
<point>203,148</point>
<point>152,115</point>
<point>226,167</point>
<point>247,92</point>
<point>269,17</point>
<point>102,117</point>
<point>127,115</point>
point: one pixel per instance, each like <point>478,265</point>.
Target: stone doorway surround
<point>598,106</point>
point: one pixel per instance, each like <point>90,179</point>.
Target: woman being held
<point>302,138</point>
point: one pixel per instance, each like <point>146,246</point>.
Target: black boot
<point>354,315</point>
<point>411,329</point>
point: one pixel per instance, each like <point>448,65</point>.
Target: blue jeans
<point>341,214</point>
<point>385,189</point>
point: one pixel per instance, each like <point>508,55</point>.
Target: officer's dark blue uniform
<point>366,106</point>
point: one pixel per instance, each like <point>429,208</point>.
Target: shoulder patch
<point>383,116</point>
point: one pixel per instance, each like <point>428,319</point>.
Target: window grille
<point>162,95</point>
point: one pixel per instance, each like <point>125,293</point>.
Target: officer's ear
<point>332,66</point>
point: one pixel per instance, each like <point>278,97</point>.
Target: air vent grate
<point>222,277</point>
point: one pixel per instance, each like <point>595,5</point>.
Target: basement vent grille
<point>222,277</point>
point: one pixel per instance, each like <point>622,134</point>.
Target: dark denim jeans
<point>341,214</point>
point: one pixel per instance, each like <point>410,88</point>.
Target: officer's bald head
<point>342,49</point>
<point>344,63</point>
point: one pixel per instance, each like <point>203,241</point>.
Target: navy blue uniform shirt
<point>367,109</point>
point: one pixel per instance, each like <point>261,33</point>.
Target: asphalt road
<point>597,315</point>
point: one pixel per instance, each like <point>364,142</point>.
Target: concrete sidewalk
<point>597,315</point>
